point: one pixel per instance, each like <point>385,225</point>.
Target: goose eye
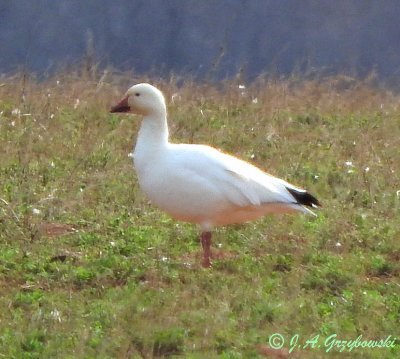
<point>137,94</point>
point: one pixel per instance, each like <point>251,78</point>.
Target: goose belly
<point>184,199</point>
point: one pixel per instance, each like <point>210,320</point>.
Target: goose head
<point>142,99</point>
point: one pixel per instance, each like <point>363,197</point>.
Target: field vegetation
<point>90,269</point>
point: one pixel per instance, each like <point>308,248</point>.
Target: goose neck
<point>153,131</point>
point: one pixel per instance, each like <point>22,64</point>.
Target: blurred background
<point>217,39</point>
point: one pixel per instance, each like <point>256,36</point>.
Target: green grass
<point>89,269</point>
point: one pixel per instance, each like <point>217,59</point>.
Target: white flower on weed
<point>398,193</point>
<point>12,123</point>
<point>56,315</point>
<point>52,116</point>
<point>338,244</point>
<point>76,103</point>
<point>254,100</point>
<point>36,211</point>
<point>252,156</point>
<point>112,244</point>
<point>316,177</point>
<point>52,164</point>
<point>16,112</point>
<point>366,169</point>
<point>349,164</point>
<point>130,154</point>
<point>219,245</point>
<point>164,259</point>
<point>175,96</point>
<point>242,87</point>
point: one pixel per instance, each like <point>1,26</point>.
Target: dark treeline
<point>207,37</point>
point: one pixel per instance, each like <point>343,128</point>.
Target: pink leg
<point>206,244</point>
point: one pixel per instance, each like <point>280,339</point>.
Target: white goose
<point>197,183</point>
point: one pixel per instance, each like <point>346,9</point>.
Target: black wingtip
<point>304,198</point>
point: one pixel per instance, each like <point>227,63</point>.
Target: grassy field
<point>90,269</point>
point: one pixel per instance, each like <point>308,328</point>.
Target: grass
<point>89,269</point>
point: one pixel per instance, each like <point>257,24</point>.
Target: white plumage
<point>197,183</point>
